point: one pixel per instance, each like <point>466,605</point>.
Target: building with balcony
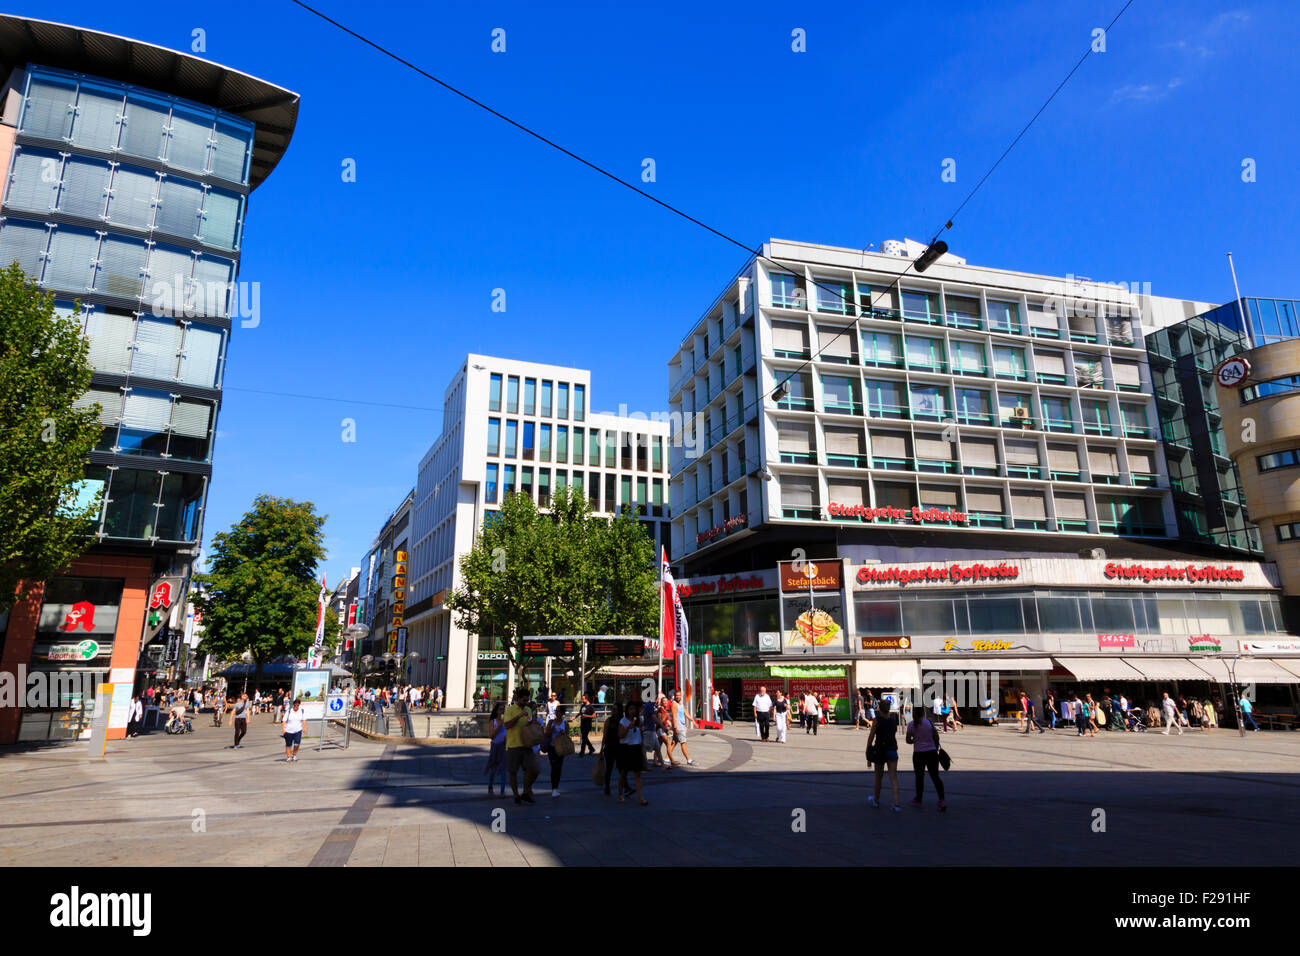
<point>129,169</point>
<point>514,427</point>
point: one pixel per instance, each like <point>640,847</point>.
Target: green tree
<point>259,593</point>
<point>566,572</point>
<point>45,522</point>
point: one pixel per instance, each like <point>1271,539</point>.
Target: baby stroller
<point>1137,721</point>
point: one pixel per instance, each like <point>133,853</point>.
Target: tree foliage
<point>566,572</point>
<point>259,593</point>
<point>44,440</point>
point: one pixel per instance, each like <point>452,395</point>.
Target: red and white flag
<point>320,613</point>
<point>675,632</point>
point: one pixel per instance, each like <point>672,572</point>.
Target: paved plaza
<point>1213,798</point>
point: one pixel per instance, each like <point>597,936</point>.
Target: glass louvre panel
<point>891,445</point>
<point>1126,373</point>
<point>110,403</point>
<point>939,496</point>
<point>794,437</point>
<point>798,492</point>
<point>201,356</point>
<point>110,341</point>
<point>182,500</point>
<point>1050,363</point>
<point>170,267</point>
<point>846,492</point>
<point>988,500</point>
<point>933,447</point>
<point>191,419</point>
<point>230,154</point>
<point>142,128</point>
<point>121,267</point>
<point>1031,505</point>
<point>188,143</point>
<point>47,110</point>
<point>213,274</point>
<point>1063,457</point>
<point>131,199</point>
<point>157,348</point>
<point>24,241</point>
<point>1141,461</point>
<point>845,441</point>
<point>789,338</point>
<point>178,207</point>
<point>1103,461</point>
<point>129,511</point>
<point>1021,452</point>
<point>1008,361</point>
<point>980,452</point>
<point>835,343</point>
<point>34,182</point>
<point>146,410</point>
<point>69,263</point>
<point>1070,507</point>
<point>221,214</point>
<point>85,187</point>
<point>98,119</point>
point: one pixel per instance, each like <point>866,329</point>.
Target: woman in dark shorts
<point>631,758</point>
<point>609,744</point>
<point>884,739</point>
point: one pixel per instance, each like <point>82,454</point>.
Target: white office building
<point>523,428</point>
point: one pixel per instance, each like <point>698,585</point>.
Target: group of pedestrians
<point>382,698</point>
<point>927,754</point>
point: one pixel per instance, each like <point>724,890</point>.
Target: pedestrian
<point>861,717</point>
<point>519,756</point>
<point>291,727</point>
<point>654,729</point>
<point>715,703</point>
<point>680,722</point>
<point>1092,707</point>
<point>496,762</point>
<point>586,714</point>
<point>924,738</point>
<point>136,718</point>
<point>1211,717</point>
<point>1170,708</point>
<point>940,707</point>
<point>762,712</point>
<point>882,751</point>
<point>240,713</point>
<point>1247,712</point>
<point>558,745</point>
<point>782,710</point>
<point>631,756</point>
<point>1032,720</point>
<point>551,704</point>
<point>437,699</point>
<point>1080,717</point>
<point>609,741</point>
<point>600,696</point>
<point>824,709</point>
<point>1049,709</point>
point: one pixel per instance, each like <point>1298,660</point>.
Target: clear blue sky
<point>375,290</point>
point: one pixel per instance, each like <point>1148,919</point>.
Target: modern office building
<point>988,434</point>
<point>513,427</point>
<point>129,169</point>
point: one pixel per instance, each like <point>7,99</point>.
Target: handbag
<point>598,771</point>
<point>562,744</point>
<point>532,734</point>
<point>945,761</point>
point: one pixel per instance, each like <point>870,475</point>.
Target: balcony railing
<point>879,410</point>
<point>1059,424</point>
<point>848,461</point>
<point>974,418</point>
<point>1010,328</point>
<point>958,320</point>
<point>1150,481</point>
<point>797,458</point>
<point>1066,475</point>
<point>937,465</point>
<point>1044,333</point>
<point>801,514</point>
<point>1024,471</point>
<point>792,353</point>
<point>1072,525</point>
<point>1103,479</point>
<point>1045,378</point>
<point>1098,428</point>
<point>984,519</point>
<point>838,408</point>
<point>892,464</point>
<point>791,404</point>
<point>982,471</point>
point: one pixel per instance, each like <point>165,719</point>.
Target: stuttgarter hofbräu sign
<point>889,513</point>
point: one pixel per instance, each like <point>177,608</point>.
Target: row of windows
<point>171,280</point>
<point>114,117</point>
<point>141,421</point>
<point>637,450</point>
<point>44,181</point>
<point>650,494</point>
<point>145,505</point>
<point>168,350</point>
<point>537,402</point>
<point>1277,386</point>
<point>1280,459</point>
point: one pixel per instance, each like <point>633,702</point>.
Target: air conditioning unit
<point>1020,412</point>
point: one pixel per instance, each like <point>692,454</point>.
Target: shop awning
<point>807,670</point>
<point>888,674</point>
<point>1167,668</point>
<point>1249,670</point>
<point>741,670</point>
<point>1003,664</point>
<point>629,670</point>
<point>1099,668</point>
<point>1291,664</point>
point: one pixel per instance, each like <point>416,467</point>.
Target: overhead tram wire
<point>327,398</point>
<point>756,253</point>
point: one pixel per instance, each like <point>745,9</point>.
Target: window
<point>835,345</point>
<point>787,291</point>
<point>509,488</point>
<point>593,447</point>
<point>1008,362</point>
<point>1056,414</point>
<point>146,415</point>
<point>1289,531</point>
<point>544,487</point>
<point>642,451</point>
<point>627,440</point>
<point>641,499</point>
<point>657,497</point>
<point>798,389</point>
<point>46,112</point>
<point>921,307</point>
<point>157,349</point>
<point>528,441</point>
<point>1004,316</point>
<point>611,485</point>
<point>790,340</point>
<point>833,295</point>
<point>512,438</point>
<point>494,394</point>
<point>795,444</point>
<point>530,396</point>
<point>929,402</point>
<point>562,400</point>
<point>1096,417</point>
<point>1282,459</point>
<point>657,453</point>
<point>579,403</point>
<point>881,349</point>
<point>544,449</point>
<point>963,311</point>
<point>85,187</point>
<point>494,436</point>
<point>130,510</point>
<point>611,449</point>
<point>1135,421</point>
<point>579,443</point>
<point>561,443</point>
<point>1050,367</point>
<point>191,429</point>
<point>925,354</point>
<point>1014,407</point>
<point>973,407</point>
<point>799,496</point>
<point>841,395</point>
<point>490,484</point>
<point>526,481</point>
<point>512,395</point>
<point>968,358</point>
<point>885,400</point>
<point>545,409</point>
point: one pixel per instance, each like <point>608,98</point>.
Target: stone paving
<point>1203,798</point>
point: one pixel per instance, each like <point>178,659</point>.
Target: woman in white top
<point>631,758</point>
<point>291,726</point>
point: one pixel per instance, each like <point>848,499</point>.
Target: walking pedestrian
<point>882,751</point>
<point>291,727</point>
<point>1247,712</point>
<point>812,713</point>
<point>1049,709</point>
<point>519,756</point>
<point>861,717</point>
<point>240,713</point>
<point>1080,718</point>
<point>136,718</point>
<point>631,756</point>
<point>1170,708</point>
<point>924,738</point>
<point>558,745</point>
<point>609,741</point>
<point>680,722</point>
<point>1211,717</point>
<point>586,715</point>
<point>716,703</point>
<point>782,710</point>
<point>1031,721</point>
<point>1091,707</point>
<point>762,712</point>
<point>496,762</point>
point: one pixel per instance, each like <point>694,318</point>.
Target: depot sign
<point>915,514</point>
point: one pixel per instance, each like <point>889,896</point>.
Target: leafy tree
<point>259,593</point>
<point>44,441</point>
<point>566,572</point>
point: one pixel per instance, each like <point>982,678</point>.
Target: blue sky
<point>375,290</point>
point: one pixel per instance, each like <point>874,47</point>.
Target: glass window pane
<point>34,181</point>
<point>142,129</point>
<point>182,499</point>
<point>530,396</point>
<point>579,403</point>
<point>121,267</point>
<point>231,151</point>
<point>99,116</point>
<point>47,110</point>
<point>85,187</point>
<point>220,225</point>
<point>201,356</point>
<point>131,198</point>
<point>178,207</point>
<point>71,254</point>
<point>157,348</point>
<point>129,511</point>
<point>191,135</point>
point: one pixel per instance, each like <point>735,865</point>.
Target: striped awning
<point>1099,668</point>
<point>1167,668</point>
<point>1248,670</point>
<point>990,663</point>
<point>888,674</point>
